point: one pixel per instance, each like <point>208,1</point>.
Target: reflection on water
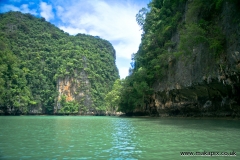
<point>66,137</point>
<point>124,140</point>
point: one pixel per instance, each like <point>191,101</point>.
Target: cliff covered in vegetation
<point>45,71</point>
<point>188,62</point>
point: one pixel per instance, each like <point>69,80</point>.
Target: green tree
<point>113,97</point>
<point>140,17</point>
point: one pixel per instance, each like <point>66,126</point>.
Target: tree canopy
<point>35,55</point>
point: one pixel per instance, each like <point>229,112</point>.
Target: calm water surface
<point>83,137</point>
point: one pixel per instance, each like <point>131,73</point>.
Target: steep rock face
<point>210,99</point>
<point>199,84</point>
<point>74,89</point>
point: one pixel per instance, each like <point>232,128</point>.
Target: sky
<point>112,20</point>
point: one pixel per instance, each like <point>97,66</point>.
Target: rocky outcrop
<point>199,84</point>
<point>203,99</point>
<point>74,89</point>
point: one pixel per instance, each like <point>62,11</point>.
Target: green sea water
<point>92,137</point>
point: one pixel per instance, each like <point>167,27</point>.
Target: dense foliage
<point>113,97</point>
<point>35,54</point>
<point>194,22</point>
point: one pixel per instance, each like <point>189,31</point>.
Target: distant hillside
<point>44,70</point>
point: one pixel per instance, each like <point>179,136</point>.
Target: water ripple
<point>112,138</point>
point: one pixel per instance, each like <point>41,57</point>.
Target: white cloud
<point>46,11</point>
<point>123,66</point>
<point>60,10</point>
<point>123,71</point>
<point>124,49</point>
<point>72,30</point>
<point>24,8</point>
<point>114,22</point>
<point>6,8</point>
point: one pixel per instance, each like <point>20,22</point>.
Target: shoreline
<point>125,116</point>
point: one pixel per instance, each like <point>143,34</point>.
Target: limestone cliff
<point>190,57</point>
<point>75,89</point>
<point>199,83</point>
